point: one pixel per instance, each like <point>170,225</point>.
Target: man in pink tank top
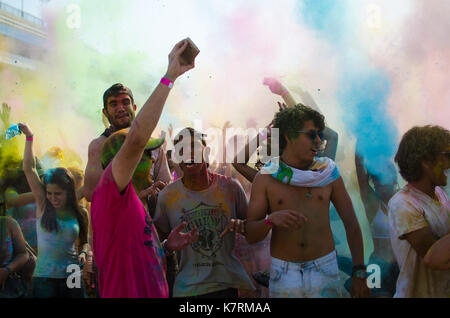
<point>127,250</point>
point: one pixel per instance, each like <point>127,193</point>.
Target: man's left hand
<point>234,226</point>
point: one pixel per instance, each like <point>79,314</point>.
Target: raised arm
<point>244,169</point>
<point>277,88</point>
<point>127,159</point>
<point>5,115</point>
<point>94,168</point>
<point>332,139</point>
<point>250,148</point>
<point>14,199</point>
<point>29,168</point>
<point>162,171</point>
<point>368,197</point>
<point>307,99</point>
<point>330,135</point>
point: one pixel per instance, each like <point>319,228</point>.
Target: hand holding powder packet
<point>13,131</point>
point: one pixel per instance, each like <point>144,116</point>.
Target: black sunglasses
<point>312,134</point>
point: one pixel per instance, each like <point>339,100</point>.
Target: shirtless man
<point>304,262</point>
<point>119,108</point>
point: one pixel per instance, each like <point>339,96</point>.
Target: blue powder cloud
<point>363,90</point>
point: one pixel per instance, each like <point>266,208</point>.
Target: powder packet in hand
<point>13,131</point>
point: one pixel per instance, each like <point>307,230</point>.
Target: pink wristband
<point>30,138</point>
<point>284,93</point>
<point>167,82</point>
<point>268,222</point>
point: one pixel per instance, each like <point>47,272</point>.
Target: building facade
<point>22,33</point>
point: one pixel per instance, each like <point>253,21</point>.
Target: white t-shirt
<point>411,210</point>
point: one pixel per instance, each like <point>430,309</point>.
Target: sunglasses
<point>312,134</point>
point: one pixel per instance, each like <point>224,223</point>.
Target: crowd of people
<point>139,223</point>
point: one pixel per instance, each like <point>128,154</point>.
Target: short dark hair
<point>115,90</point>
<point>193,133</point>
<point>420,144</point>
<point>291,120</point>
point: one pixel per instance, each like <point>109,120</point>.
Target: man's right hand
<point>287,219</point>
<point>25,130</point>
<point>88,270</point>
<point>176,68</point>
<point>152,191</point>
<point>178,240</point>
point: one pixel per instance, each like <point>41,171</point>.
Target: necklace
<point>309,194</point>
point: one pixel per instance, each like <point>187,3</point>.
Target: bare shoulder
<point>262,180</point>
<point>337,184</point>
<point>263,177</point>
<point>401,200</point>
<point>96,145</point>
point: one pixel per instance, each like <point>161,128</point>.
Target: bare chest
<point>309,201</point>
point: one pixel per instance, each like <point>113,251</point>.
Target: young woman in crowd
<point>60,222</point>
<point>375,200</point>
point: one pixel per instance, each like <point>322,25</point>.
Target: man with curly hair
<point>296,190</point>
<point>419,213</point>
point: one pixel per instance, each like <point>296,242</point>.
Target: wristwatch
<point>360,273</point>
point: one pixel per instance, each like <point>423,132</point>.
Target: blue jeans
<point>312,279</point>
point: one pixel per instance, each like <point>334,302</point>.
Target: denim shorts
<point>312,279</point>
